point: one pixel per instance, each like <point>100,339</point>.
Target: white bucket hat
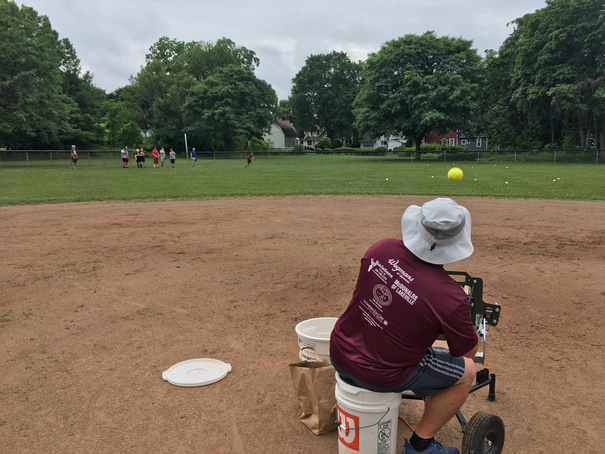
<point>438,232</point>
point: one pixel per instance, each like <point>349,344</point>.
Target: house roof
<point>287,128</point>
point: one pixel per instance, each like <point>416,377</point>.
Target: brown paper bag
<point>314,384</point>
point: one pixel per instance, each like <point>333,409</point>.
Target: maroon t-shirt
<point>399,307</point>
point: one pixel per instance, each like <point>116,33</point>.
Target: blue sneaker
<point>435,448</point>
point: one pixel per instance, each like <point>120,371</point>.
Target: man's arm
<point>471,353</point>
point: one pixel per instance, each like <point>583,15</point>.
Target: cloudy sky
<point>111,37</point>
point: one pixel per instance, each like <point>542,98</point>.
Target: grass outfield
<point>296,175</point>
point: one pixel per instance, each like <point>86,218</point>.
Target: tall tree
<point>172,69</point>
<point>88,99</point>
<point>168,125</point>
<point>204,59</point>
<point>150,84</point>
<point>229,108</point>
<point>169,52</point>
<point>418,84</point>
<point>555,67</point>
<point>284,110</point>
<point>121,124</point>
<point>322,96</point>
<point>503,121</point>
<point>34,111</point>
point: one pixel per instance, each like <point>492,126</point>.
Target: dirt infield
<point>97,299</point>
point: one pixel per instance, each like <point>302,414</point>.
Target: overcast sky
<point>111,37</point>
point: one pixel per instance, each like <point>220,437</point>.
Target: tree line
<point>544,87</point>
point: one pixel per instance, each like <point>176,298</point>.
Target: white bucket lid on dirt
<point>196,372</point>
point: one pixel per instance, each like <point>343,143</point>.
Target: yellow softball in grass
<point>455,174</point>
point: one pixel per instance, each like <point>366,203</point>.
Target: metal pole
<point>186,148</point>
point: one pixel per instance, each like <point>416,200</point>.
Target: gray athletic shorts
<point>437,371</point>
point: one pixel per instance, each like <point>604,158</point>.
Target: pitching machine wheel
<point>484,434</point>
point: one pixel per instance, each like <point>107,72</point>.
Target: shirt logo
<point>382,295</point>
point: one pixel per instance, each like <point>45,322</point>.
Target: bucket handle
<point>365,427</point>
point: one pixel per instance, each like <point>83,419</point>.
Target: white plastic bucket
<point>314,338</point>
<point>367,420</point>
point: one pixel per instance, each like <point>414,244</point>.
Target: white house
<point>282,135</point>
<point>310,141</point>
<point>389,142</point>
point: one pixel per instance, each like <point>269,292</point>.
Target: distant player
<point>74,157</point>
<point>155,154</point>
<point>162,156</point>
<point>172,157</point>
<point>140,158</point>
<point>193,158</point>
<point>124,155</point>
<point>249,159</point>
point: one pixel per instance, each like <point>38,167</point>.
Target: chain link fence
<point>13,159</point>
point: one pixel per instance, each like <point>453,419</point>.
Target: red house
<point>450,138</point>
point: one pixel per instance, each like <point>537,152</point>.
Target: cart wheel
<point>484,434</point>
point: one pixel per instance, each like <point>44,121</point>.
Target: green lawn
<point>295,175</point>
